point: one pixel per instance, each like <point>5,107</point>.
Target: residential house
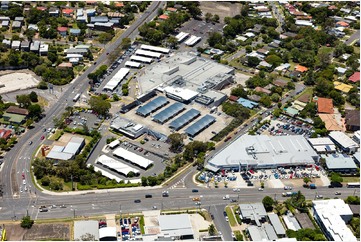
<point>15,45</point>
<point>280,83</point>
<point>103,26</point>
<point>264,64</point>
<point>33,27</point>
<point>5,134</point>
<point>253,97</point>
<point>342,24</point>
<point>115,15</point>
<point>341,70</point>
<point>67,12</point>
<point>75,32</point>
<point>5,24</point>
<point>283,67</point>
<point>4,18</point>
<point>305,98</point>
<point>41,8</point>
<point>342,87</point>
<point>325,105</point>
<point>82,19</point>
<point>99,19</point>
<point>79,12</point>
<point>91,12</point>
<point>352,120</point>
<point>330,121</point>
<point>172,10</point>
<point>163,17</point>
<point>263,90</point>
<point>233,98</point>
<point>15,115</point>
<point>4,6</point>
<point>119,4</point>
<point>25,45</point>
<point>262,52</point>
<point>76,51</point>
<point>54,12</point>
<point>300,68</point>
<point>65,65</point>
<point>62,31</point>
<point>20,19</point>
<point>7,42</point>
<point>355,77</point>
<point>43,49</point>
<point>34,46</point>
<point>16,25</point>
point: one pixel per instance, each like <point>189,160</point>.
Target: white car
<point>260,189</point>
<point>24,182</point>
<point>236,190</point>
<point>227,219</point>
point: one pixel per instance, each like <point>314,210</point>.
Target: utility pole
<point>27,212</point>
<point>354,192</point>
<point>275,197</point>
<point>72,187</point>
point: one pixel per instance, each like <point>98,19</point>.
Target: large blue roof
<point>152,106</point>
<point>183,120</point>
<point>200,125</point>
<point>164,115</point>
<point>247,103</point>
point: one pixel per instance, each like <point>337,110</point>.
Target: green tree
<point>268,203</point>
<point>144,181</point>
<point>99,105</point>
<point>104,37</point>
<point>239,91</point>
<point>29,122</point>
<point>35,110</point>
<point>253,61</point>
<point>115,97</point>
<point>23,100</point>
<point>266,101</point>
<point>215,38</point>
<point>45,181</point>
<point>215,18</point>
<point>126,43</point>
<point>208,17</point>
<point>306,180</point>
<point>33,97</point>
<point>26,222</point>
<point>176,142</point>
<point>274,60</point>
<point>336,178</point>
<point>212,230</point>
<point>275,97</point>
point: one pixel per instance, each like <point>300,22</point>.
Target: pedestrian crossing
<point>179,185</point>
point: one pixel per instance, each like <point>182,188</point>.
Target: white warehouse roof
<point>266,151</point>
<point>155,48</point>
<point>343,139</point>
<point>132,64</point>
<point>132,157</point>
<point>82,228</point>
<point>181,36</point>
<point>141,59</point>
<point>192,40</point>
<point>116,79</point>
<point>184,94</point>
<point>106,173</point>
<point>115,165</point>
<point>114,144</point>
<point>175,225</point>
<point>148,53</point>
<point>107,232</point>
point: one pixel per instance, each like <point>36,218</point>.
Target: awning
<point>211,168</point>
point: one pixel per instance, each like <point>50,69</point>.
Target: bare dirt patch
<point>222,9</point>
<point>59,231</point>
<point>19,80</point>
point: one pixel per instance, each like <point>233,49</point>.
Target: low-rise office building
<point>332,216</point>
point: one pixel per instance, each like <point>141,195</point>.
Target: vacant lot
<point>56,231</point>
<point>16,81</point>
<point>222,9</point>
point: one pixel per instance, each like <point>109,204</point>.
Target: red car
<point>42,137</point>
<point>23,176</point>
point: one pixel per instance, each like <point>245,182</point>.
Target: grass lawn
<point>357,50</point>
<point>42,101</point>
<point>238,235</point>
<point>56,135</point>
<point>308,90</point>
<point>347,179</point>
<point>232,219</point>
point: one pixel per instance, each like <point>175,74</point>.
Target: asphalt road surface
<point>220,222</point>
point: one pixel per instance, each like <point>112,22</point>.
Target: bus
<point>76,98</point>
<point>353,185</point>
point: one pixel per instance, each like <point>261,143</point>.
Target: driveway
<point>220,222</point>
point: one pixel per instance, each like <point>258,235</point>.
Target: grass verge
<point>238,235</point>
<point>232,219</point>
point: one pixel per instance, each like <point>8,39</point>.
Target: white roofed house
<point>7,42</point>
<point>43,49</point>
<point>15,45</point>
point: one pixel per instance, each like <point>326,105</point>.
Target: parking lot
<point>271,178</point>
<point>199,28</point>
<point>83,117</point>
<point>284,125</point>
<point>222,120</point>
